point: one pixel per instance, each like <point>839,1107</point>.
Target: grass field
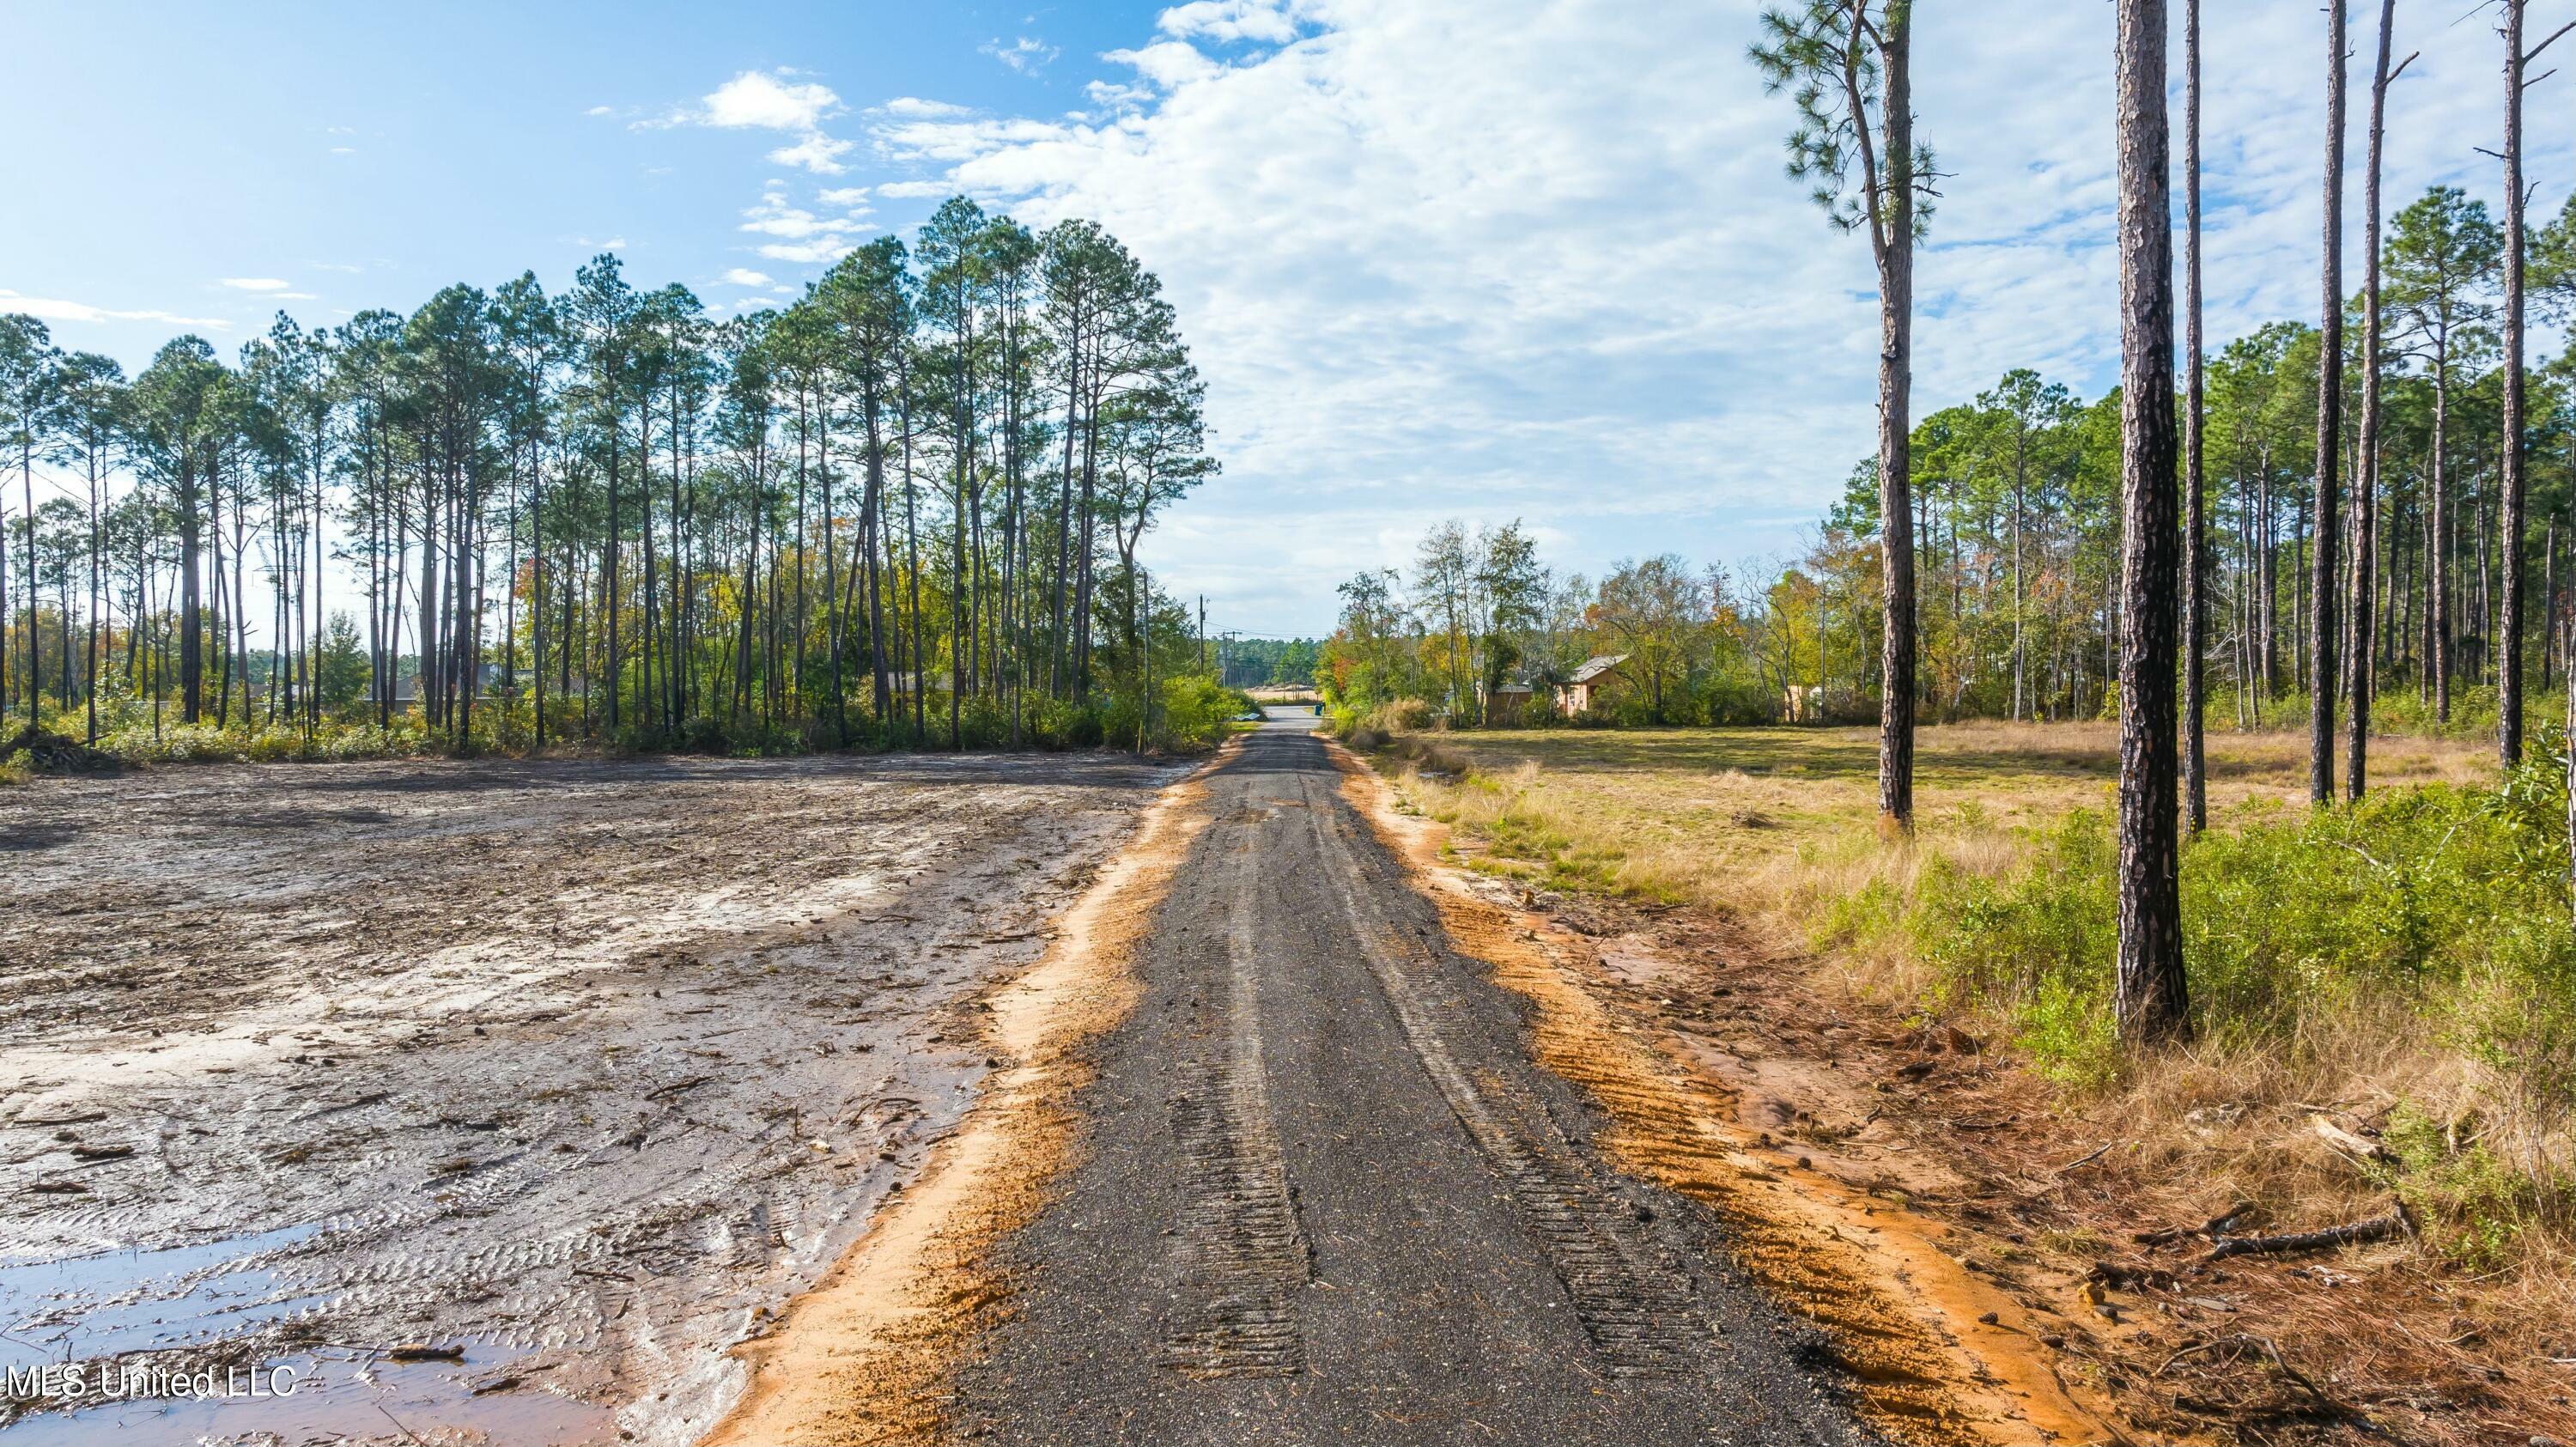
<point>2408,960</point>
<point>1712,815</point>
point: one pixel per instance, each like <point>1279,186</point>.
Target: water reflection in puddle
<point>116,1302</point>
<point>339,1399</point>
<point>91,1309</point>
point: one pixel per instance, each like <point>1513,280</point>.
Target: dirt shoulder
<point>1862,1135</point>
<point>570,1072</point>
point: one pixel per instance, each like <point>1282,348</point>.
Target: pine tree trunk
<point>1895,380</point>
<point>2508,644</point>
<point>2195,566</point>
<point>2365,501</point>
<point>2152,995</point>
<point>2322,586</point>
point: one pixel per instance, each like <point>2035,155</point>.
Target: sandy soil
<point>582,1068</point>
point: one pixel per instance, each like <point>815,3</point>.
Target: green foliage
<point>135,741</point>
<point>1194,711</point>
<point>2446,903</point>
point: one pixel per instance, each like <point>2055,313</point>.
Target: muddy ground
<point>577,1070</point>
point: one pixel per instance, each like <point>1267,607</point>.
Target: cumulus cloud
<point>821,252</point>
<point>1166,63</point>
<point>1226,20</point>
<point>818,153</point>
<point>801,235</point>
<point>756,98</point>
<point>1489,257</point>
<point>771,100</point>
<point>255,283</point>
<point>742,276</point>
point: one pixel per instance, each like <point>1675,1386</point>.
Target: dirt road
<point>577,1070</point>
<point>1321,1194</point>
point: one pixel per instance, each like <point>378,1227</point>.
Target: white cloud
<point>756,98</point>
<point>1224,20</point>
<point>818,153</point>
<point>344,150</point>
<point>255,283</point>
<point>851,197</point>
<point>601,111</point>
<point>742,276</point>
<point>914,108</point>
<point>1167,63</point>
<point>1492,258</point>
<point>809,253</point>
<point>55,310</point>
<point>772,101</point>
<point>774,217</point>
<point>1024,54</point>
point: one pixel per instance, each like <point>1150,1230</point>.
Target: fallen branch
<point>2213,1228</point>
<point>2088,1158</point>
<point>2266,1346</point>
<point>2351,1233</point>
<point>2349,1143</point>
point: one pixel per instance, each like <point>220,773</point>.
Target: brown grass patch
<point>1756,834</point>
<point>1932,1353</point>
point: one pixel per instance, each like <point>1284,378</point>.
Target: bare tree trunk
<point>1895,381</point>
<point>2438,529</point>
<point>2152,995</point>
<point>2323,586</point>
<point>2365,501</point>
<point>2570,646</point>
<point>2508,646</point>
<point>2195,564</point>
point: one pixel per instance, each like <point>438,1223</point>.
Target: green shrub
<point>1195,710</point>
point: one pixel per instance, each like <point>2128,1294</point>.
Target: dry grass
<point>1767,830</point>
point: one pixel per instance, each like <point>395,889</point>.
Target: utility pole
<point>1203,633</point>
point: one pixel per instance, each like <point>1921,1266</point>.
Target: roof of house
<point>1597,665</point>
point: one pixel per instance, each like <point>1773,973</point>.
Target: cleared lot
<point>581,1068</point>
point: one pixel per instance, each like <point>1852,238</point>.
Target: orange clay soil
<point>1935,1352</point>
<point>863,1357</point>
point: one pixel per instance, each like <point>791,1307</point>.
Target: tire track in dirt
<point>1934,1355</point>
<point>1244,1259</point>
<point>1633,1300</point>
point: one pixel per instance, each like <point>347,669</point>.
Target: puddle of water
<point>85,1307</point>
<point>91,1309</point>
<point>333,1400</point>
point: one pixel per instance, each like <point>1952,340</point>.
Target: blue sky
<point>1475,258</point>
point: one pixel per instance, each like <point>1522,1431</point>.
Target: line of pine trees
<point>903,508</point>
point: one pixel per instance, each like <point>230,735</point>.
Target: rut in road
<point>1244,1259</point>
<point>1634,1299</point>
<point>1323,1195</point>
